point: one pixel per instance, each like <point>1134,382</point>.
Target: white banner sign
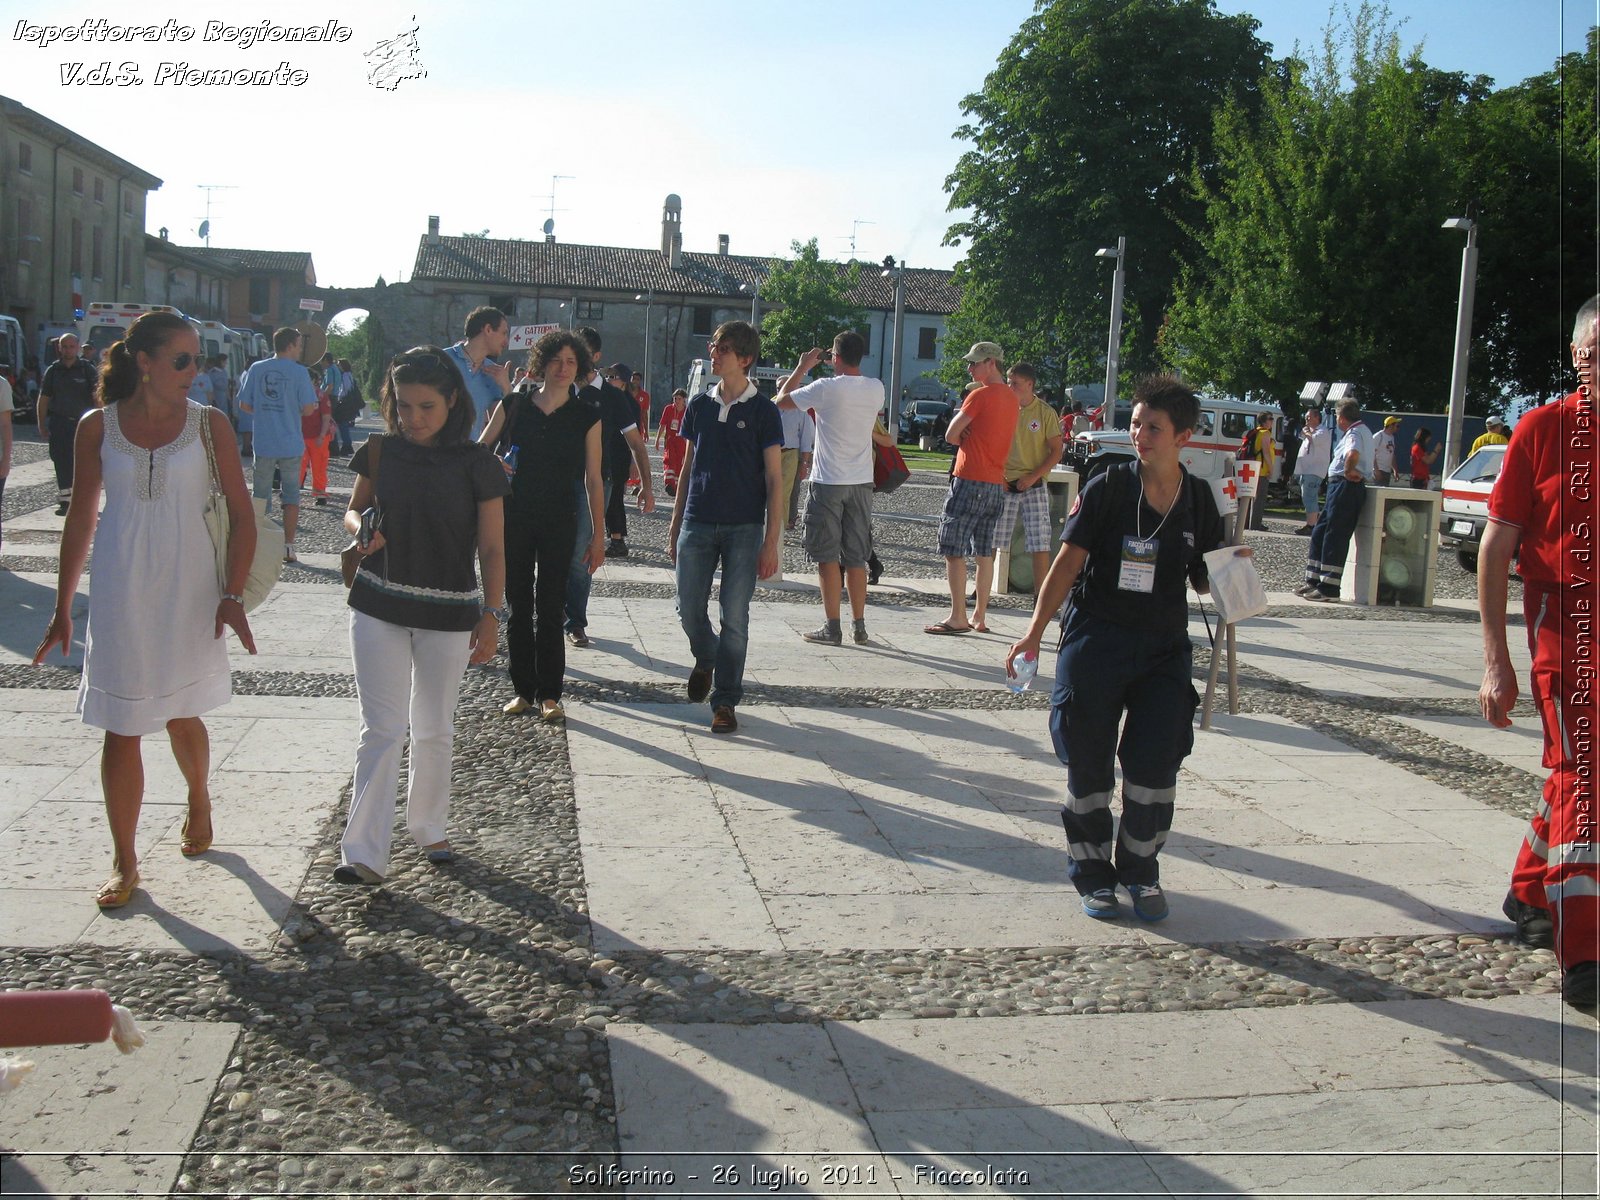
<point>524,336</point>
<point>311,305</point>
<point>1246,475</point>
<point>1226,492</point>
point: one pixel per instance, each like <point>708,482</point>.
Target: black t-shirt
<point>425,576</point>
<point>550,455</point>
<point>618,411</point>
<point>1110,509</point>
<point>70,389</point>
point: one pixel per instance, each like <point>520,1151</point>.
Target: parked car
<point>1466,504</point>
<point>924,417</point>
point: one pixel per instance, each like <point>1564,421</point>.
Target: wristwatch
<point>501,614</point>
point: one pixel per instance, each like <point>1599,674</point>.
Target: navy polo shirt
<point>728,482</point>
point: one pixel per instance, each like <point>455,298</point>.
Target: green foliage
<point>1090,126</point>
<point>1320,253</point>
<point>816,308</point>
<point>1533,196</point>
<point>355,344</point>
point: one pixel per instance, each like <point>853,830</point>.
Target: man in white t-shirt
<point>839,506</point>
<point>1311,467</point>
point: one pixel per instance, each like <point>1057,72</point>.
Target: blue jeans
<point>701,547</point>
<point>347,430</point>
<point>578,577</point>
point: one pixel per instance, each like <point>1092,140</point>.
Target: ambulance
<point>766,379</point>
<point>216,338</point>
<point>106,322</point>
<point>1209,454</point>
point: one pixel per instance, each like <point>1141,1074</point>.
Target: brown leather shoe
<point>723,720</point>
<point>699,684</point>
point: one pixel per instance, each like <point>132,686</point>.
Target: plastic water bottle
<point>1026,666</point>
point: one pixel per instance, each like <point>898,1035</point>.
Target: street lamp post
<point>897,272</point>
<point>649,298</point>
<point>1114,342</point>
<point>754,292</point>
<point>1458,371</point>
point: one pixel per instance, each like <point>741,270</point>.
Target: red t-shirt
<point>982,456</point>
<point>1419,462</point>
<point>1547,489</point>
<point>311,423</point>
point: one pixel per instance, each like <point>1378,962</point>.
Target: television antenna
<point>551,197</point>
<point>855,228</point>
<point>205,226</point>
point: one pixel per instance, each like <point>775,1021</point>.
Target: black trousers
<point>538,559</point>
<point>617,502</point>
<point>61,442</point>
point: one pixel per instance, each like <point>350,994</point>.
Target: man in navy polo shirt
<point>728,512</point>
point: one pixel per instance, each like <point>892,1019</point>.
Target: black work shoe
<point>699,684</point>
<point>1580,985</point>
<point>616,548</point>
<point>61,509</point>
<point>1534,926</point>
<point>874,570</point>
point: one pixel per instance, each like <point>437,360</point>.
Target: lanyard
<point>1138,513</point>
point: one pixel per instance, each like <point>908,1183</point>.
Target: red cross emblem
<point>1230,490</point>
<point>1246,471</point>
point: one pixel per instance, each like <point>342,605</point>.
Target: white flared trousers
<point>406,679</point>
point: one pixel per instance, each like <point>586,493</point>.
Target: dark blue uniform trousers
<point>1103,670</point>
<point>1330,539</point>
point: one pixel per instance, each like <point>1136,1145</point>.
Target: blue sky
<point>776,123</point>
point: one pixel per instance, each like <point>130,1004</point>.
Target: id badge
<point>1138,572</point>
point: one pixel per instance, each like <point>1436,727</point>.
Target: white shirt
<point>1383,451</point>
<point>1316,452</point>
<point>846,407</point>
<point>1359,438</point>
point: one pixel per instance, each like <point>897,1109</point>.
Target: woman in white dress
<point>154,654</point>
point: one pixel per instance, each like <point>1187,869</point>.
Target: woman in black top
<point>549,440</point>
<point>1133,538</point>
<point>418,615</point>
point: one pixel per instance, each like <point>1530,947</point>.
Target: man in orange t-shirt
<point>982,430</point>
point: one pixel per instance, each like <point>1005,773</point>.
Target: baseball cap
<point>983,350</point>
<point>1390,422</point>
<point>1495,422</point>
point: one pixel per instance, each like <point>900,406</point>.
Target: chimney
<point>722,243</point>
<point>163,232</point>
<point>676,253</point>
<point>433,231</point>
<point>671,223</point>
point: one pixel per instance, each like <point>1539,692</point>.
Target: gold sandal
<point>117,890</point>
<point>193,847</point>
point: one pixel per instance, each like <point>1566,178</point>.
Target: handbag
<point>268,559</point>
<point>889,468</point>
<point>350,557</point>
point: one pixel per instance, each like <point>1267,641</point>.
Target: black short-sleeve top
<point>551,449</point>
<point>425,576</point>
<point>1110,509</point>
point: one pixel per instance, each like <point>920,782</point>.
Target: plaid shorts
<point>971,515</point>
<point>1035,507</point>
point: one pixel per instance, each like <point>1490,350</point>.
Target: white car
<point>1466,503</point>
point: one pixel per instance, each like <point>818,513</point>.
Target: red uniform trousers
<point>1557,865</point>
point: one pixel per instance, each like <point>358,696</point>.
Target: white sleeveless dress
<point>150,653</point>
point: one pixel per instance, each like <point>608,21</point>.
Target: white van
<point>1209,454</point>
<point>766,378</point>
<point>106,323</point>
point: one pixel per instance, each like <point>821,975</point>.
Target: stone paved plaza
<point>834,954</point>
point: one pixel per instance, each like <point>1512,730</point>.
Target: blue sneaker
<point>1102,905</point>
<point>1148,902</point>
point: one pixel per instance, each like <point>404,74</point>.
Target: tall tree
<point>1088,129</point>
<point>816,305</point>
<point>1530,183</point>
<point>1321,254</point>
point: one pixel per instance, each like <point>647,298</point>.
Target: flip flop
<point>944,627</point>
<point>980,629</point>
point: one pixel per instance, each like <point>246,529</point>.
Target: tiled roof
<point>554,266</point>
<point>297,262</point>
<point>157,247</point>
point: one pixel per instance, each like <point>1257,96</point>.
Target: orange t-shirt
<point>982,456</point>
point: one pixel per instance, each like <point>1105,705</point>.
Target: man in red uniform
<point>1545,509</point>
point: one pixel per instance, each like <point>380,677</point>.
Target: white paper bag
<point>1235,585</point>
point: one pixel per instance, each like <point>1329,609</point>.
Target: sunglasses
<point>415,357</point>
<point>182,362</point>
